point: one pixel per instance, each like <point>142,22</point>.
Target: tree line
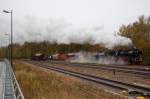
<point>28,49</point>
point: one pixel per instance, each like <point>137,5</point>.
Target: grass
<point>37,83</point>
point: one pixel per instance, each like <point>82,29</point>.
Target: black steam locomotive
<point>132,56</point>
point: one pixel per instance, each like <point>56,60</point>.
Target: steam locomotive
<point>132,56</point>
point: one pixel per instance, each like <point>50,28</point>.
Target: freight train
<point>132,56</point>
<point>60,57</point>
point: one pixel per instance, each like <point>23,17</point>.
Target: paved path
<point>2,78</point>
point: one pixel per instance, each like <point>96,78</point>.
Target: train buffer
<point>9,87</point>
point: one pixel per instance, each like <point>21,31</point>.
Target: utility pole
<point>11,34</point>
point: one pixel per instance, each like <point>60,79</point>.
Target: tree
<point>139,32</point>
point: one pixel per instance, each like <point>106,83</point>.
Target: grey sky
<point>108,14</point>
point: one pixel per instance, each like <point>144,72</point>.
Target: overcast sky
<point>108,14</point>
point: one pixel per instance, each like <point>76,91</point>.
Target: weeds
<point>38,84</point>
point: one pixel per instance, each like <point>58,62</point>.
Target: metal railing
<point>12,88</point>
<point>2,78</point>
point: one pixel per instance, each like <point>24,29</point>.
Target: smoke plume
<point>61,31</point>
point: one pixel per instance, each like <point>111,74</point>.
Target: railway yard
<point>133,74</point>
<point>38,83</point>
<point>64,80</point>
<point>74,49</point>
<point>126,81</point>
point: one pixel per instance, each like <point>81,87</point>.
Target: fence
<point>12,88</point>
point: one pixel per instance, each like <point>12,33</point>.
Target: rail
<point>130,88</point>
<point>123,69</point>
<point>12,88</point>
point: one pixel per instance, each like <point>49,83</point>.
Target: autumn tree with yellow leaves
<point>139,33</point>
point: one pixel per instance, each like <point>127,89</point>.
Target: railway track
<point>130,88</point>
<point>145,72</point>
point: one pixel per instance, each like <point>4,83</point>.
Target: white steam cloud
<point>88,57</point>
<point>60,31</point>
